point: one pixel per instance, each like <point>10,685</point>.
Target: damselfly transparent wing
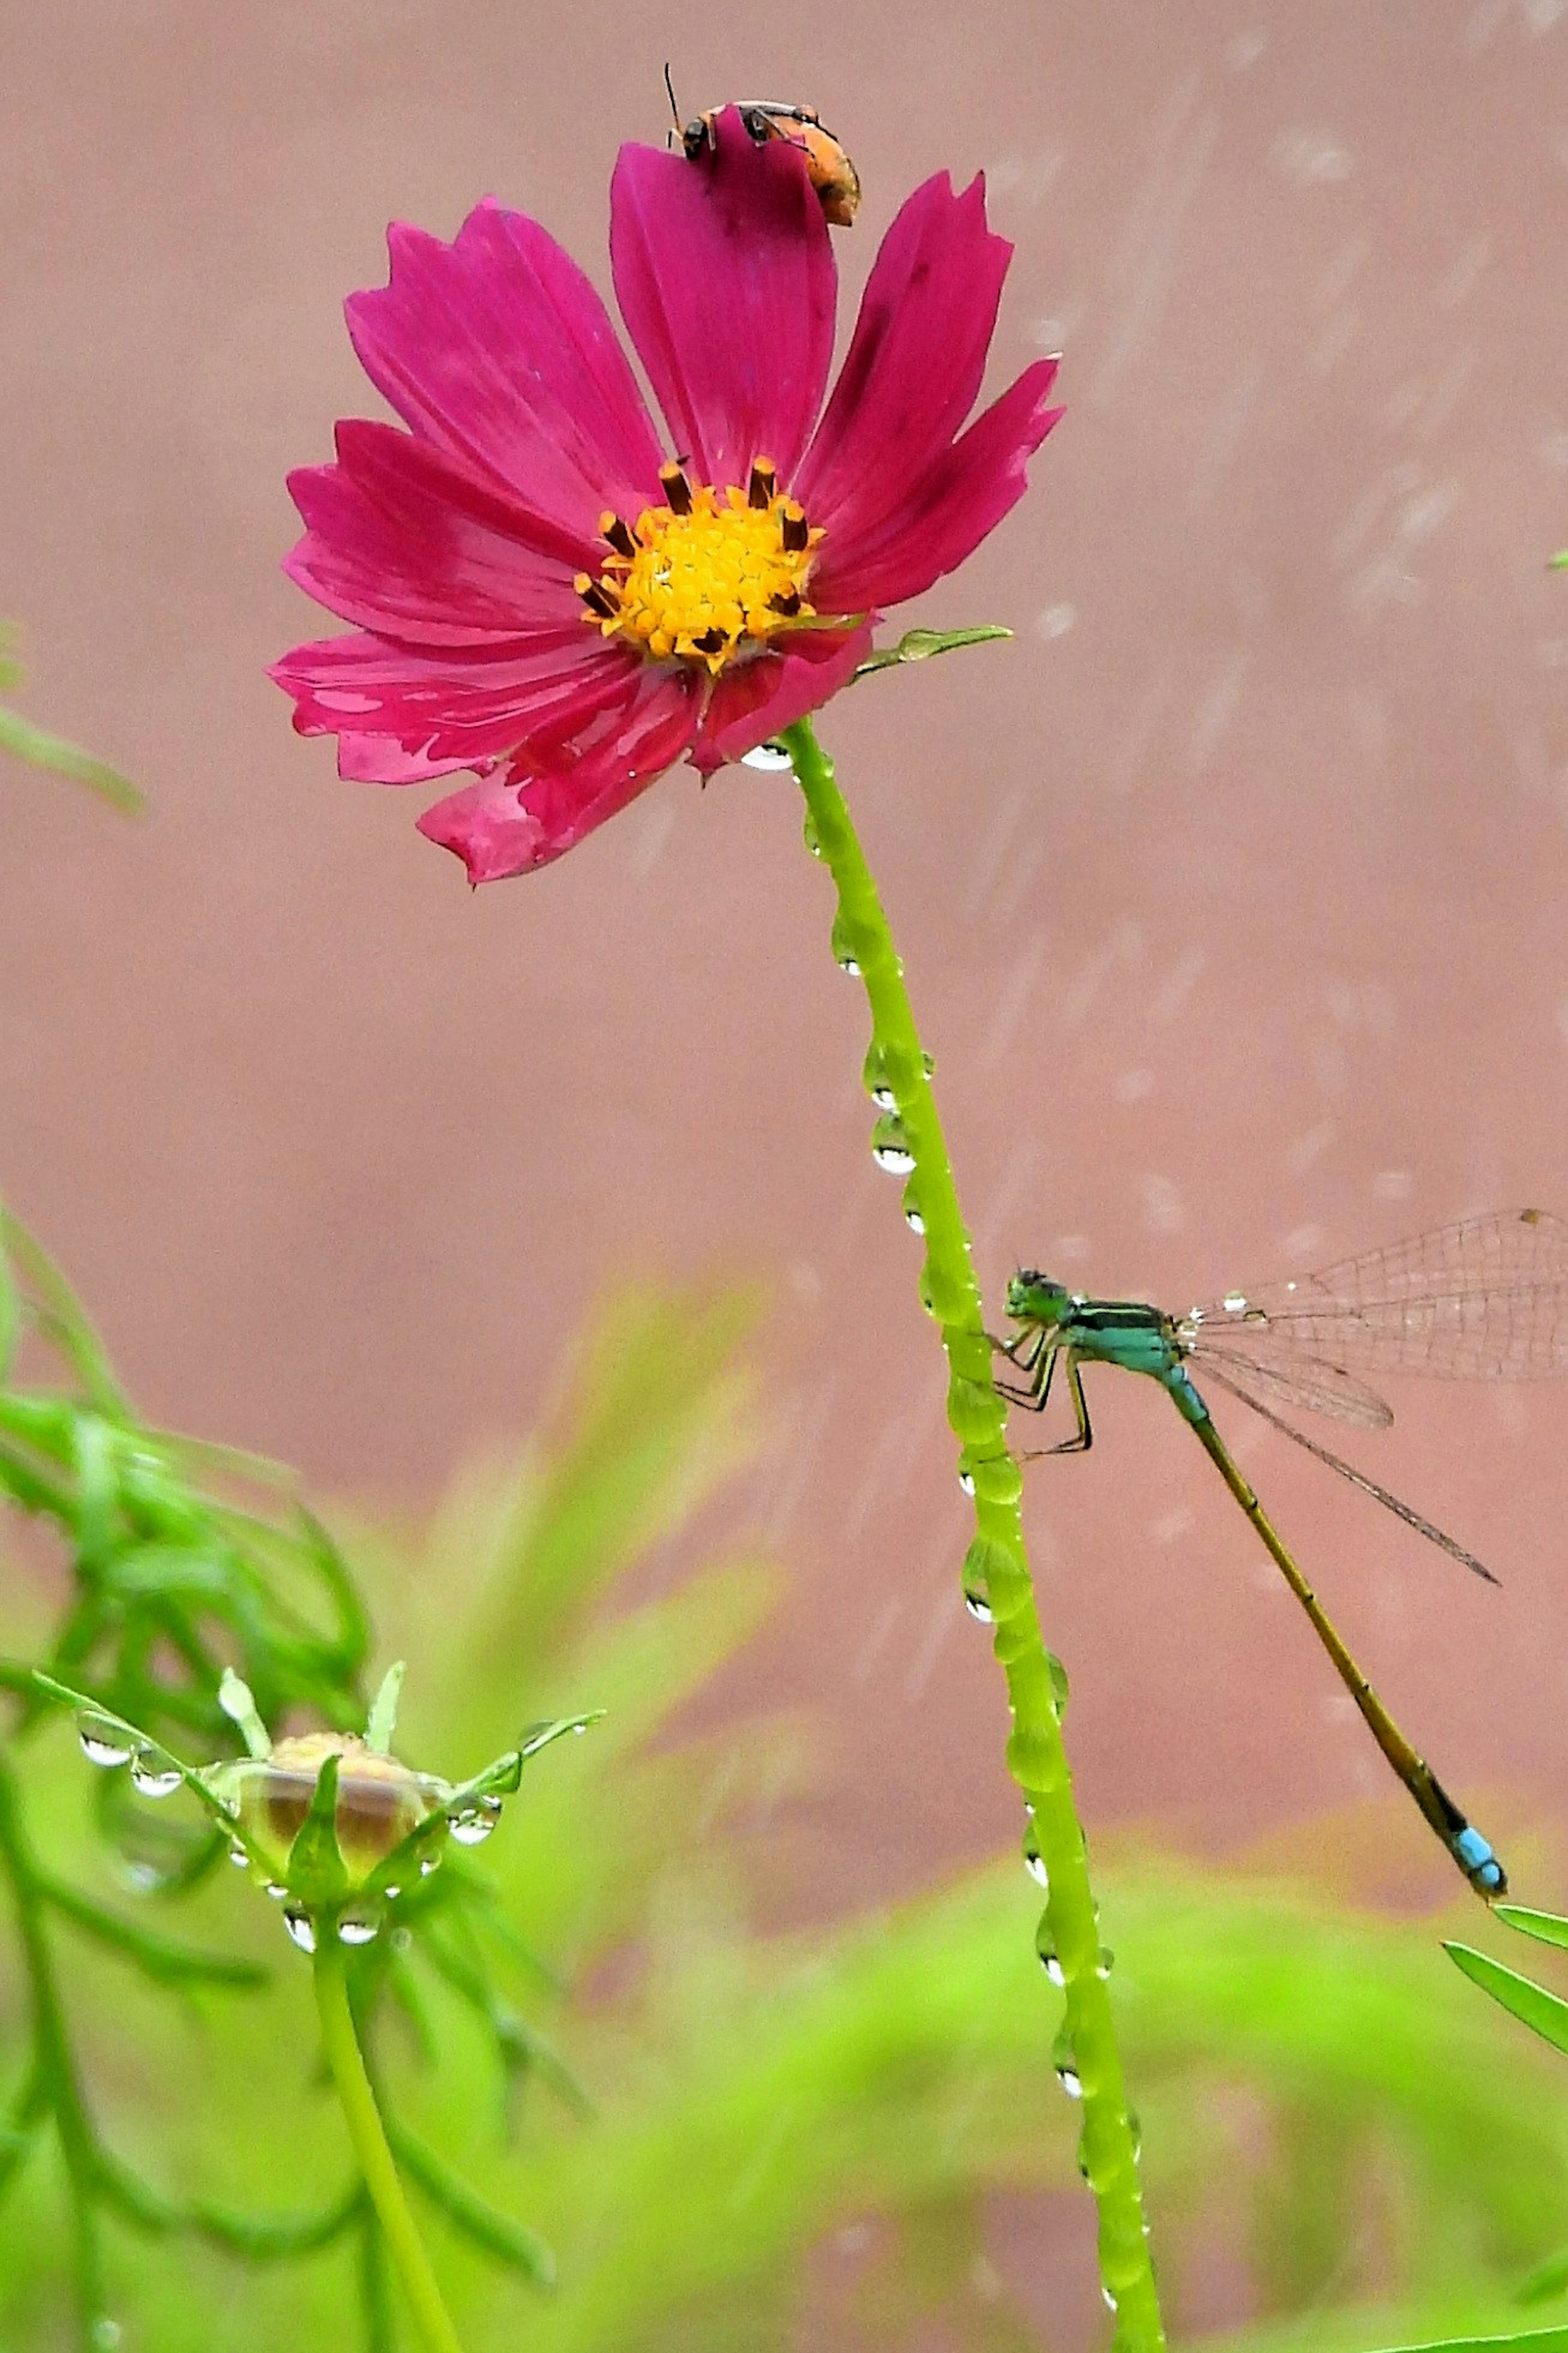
<point>1275,1366</point>
<point>1483,1300</point>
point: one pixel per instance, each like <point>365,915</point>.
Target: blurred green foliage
<point>40,749</point>
<point>729,2139</point>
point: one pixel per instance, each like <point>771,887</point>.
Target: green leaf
<point>512,2243</point>
<point>1533,2340</point>
<point>316,1874</point>
<point>237,1702</point>
<point>919,645</point>
<point>1547,1927</point>
<point>1546,2012</point>
<point>1559,562</point>
<point>61,1317</point>
<point>42,750</point>
<point>1548,2279</point>
<point>157,1956</point>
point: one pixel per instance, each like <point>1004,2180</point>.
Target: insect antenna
<point>669,137</point>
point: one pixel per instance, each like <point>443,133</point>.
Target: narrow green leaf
<point>316,1873</point>
<point>61,1317</point>
<point>42,750</point>
<point>920,645</point>
<point>159,1958</point>
<point>1544,2012</point>
<point>1547,1927</point>
<point>1559,562</point>
<point>512,2242</point>
<point>1533,2340</point>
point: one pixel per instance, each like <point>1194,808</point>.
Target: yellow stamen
<point>708,576</point>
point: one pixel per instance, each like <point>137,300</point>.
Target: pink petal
<point>913,370</point>
<point>497,352</point>
<point>757,699</point>
<point>509,824</point>
<point>436,713</point>
<point>726,281</point>
<point>946,512</point>
<point>402,541</point>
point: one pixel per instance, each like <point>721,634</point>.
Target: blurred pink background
<point>1231,894</point>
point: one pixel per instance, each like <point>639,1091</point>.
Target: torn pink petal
<point>943,516</point>
<point>400,540</point>
<point>727,284</point>
<point>756,700</point>
<point>913,369</point>
<point>515,820</point>
<point>497,350</point>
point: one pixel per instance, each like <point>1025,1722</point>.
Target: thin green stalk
<point>404,2244</point>
<point>55,2087</point>
<point>998,1564</point>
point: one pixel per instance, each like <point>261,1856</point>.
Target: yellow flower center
<point>708,576</point>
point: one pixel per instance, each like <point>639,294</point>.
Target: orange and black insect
<point>829,169</point>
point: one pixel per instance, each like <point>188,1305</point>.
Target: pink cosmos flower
<point>537,596</point>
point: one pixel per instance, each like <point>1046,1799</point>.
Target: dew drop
<point>771,758</point>
<point>884,1098</point>
<point>978,1607</point>
<point>1110,2303</point>
<point>1034,1862</point>
<point>1049,1961</point>
<point>966,1480</point>
<point>358,1928</point>
<point>301,1928</point>
<point>915,1222</point>
<point>152,1780</point>
<point>104,2335</point>
<point>1106,1962</point>
<point>427,1864</point>
<point>896,1158</point>
<point>472,1826</point>
<point>400,1939</point>
<point>276,1889</point>
<point>239,1859</point>
<point>392,1893</point>
<point>1071,2082</point>
<point>102,1744</point>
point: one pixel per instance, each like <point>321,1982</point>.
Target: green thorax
<point>1125,1332</point>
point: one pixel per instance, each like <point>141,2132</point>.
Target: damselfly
<point>1483,1300</point>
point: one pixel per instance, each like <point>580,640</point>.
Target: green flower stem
<point>404,2244</point>
<point>53,2088</point>
<point>997,1563</point>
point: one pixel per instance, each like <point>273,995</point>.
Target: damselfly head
<point>1035,1298</point>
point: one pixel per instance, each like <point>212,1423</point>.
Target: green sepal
<point>383,1720</point>
<point>512,2242</point>
<point>919,645</point>
<point>1546,1928</point>
<point>497,1780</point>
<point>316,1875</point>
<point>1545,2013</point>
<point>155,1752</point>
